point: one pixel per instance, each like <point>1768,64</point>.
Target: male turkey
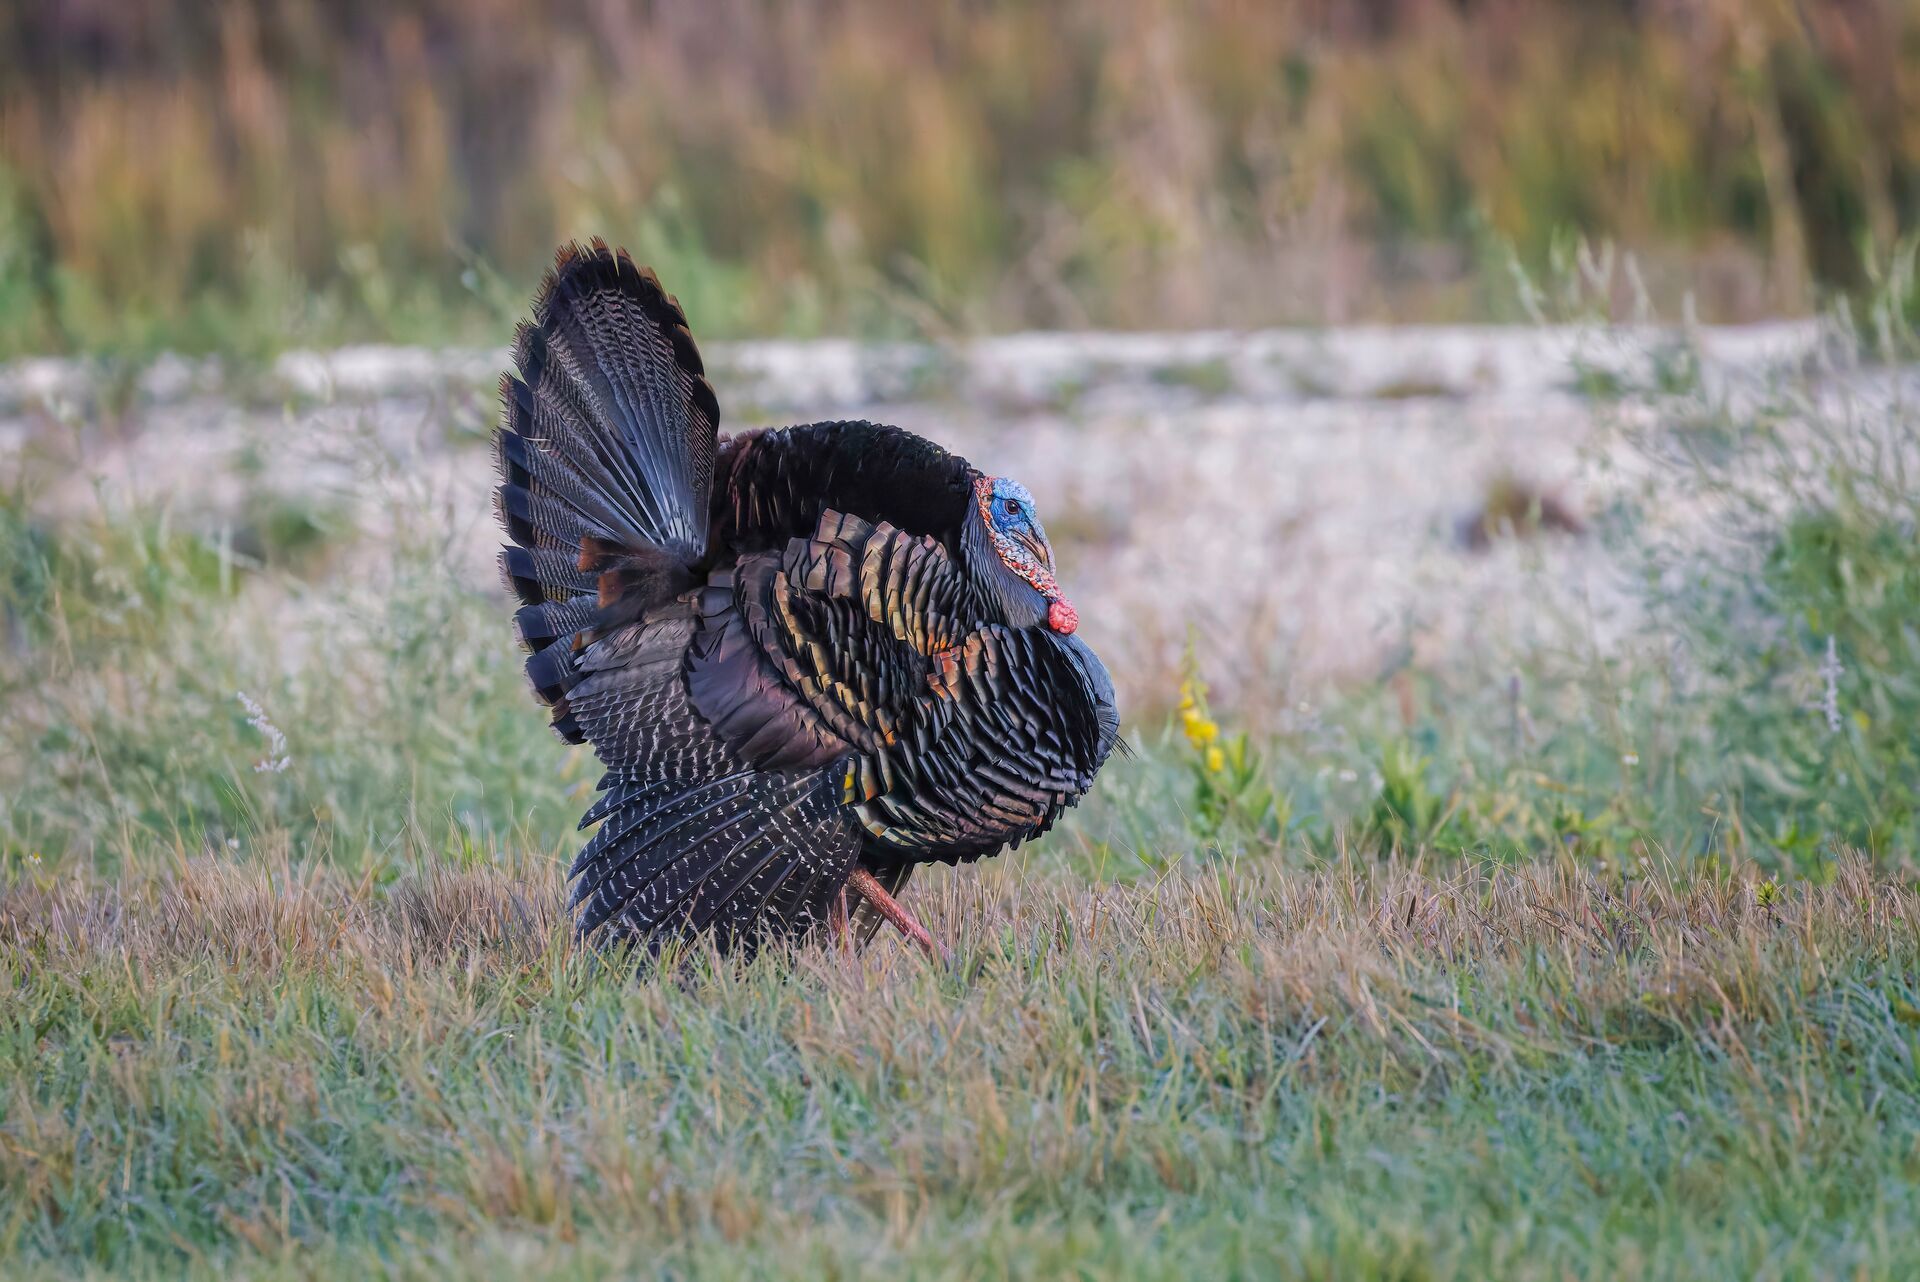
<point>809,657</point>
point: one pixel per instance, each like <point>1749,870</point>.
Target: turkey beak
<point>1036,545</point>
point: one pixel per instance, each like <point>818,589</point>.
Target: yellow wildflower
<point>1200,730</point>
<point>1216,759</point>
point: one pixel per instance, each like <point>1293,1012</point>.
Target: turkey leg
<point>837,919</point>
<point>866,885</point>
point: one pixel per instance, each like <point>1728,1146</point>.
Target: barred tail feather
<point>606,456</point>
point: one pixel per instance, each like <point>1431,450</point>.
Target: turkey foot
<point>837,920</point>
<point>864,884</point>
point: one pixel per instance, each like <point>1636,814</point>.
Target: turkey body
<point>800,653</point>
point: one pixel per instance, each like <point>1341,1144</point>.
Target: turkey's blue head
<point>1018,559</point>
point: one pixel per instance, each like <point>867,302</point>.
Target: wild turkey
<point>809,658</point>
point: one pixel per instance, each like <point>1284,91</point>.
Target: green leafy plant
<point>1408,812</point>
<point>1232,795</point>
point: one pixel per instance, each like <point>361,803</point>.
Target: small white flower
<point>1830,673</point>
<point>276,761</point>
<point>1349,776</point>
<point>1629,758</point>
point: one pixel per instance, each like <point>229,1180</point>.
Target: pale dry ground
<point>1292,500</point>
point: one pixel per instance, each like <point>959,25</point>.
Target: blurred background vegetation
<point>262,173</point>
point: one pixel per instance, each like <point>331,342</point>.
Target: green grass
<point>1353,1072</point>
<point>1597,965</point>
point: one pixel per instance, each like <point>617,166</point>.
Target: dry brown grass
<point>271,917</point>
<point>274,1069</point>
<point>1358,942</point>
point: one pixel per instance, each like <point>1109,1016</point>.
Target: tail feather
<point>552,671</point>
<point>583,493</point>
<point>554,409</point>
<point>606,456</point>
<point>539,626</point>
<point>539,575</point>
<point>628,348</point>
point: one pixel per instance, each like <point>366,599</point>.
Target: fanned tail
<point>606,457</point>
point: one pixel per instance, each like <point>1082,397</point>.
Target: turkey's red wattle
<point>1062,618</point>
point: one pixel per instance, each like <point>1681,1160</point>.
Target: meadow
<point>273,1068</point>
<point>1525,931</point>
<point>1517,873</point>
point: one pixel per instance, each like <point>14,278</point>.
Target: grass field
<point>1597,955</point>
<point>1351,1072</point>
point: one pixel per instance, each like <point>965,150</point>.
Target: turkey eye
<point>1013,507</point>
